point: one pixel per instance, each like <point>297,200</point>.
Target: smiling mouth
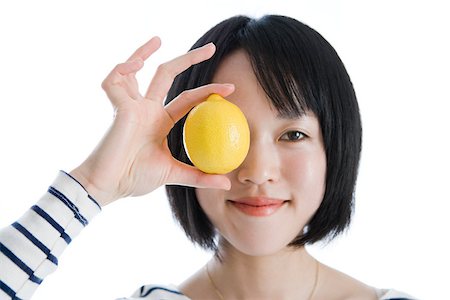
<point>258,208</point>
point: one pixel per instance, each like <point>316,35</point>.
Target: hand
<point>133,157</point>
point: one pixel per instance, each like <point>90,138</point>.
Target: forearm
<point>30,247</point>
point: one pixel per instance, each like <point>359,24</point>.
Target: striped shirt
<point>30,247</point>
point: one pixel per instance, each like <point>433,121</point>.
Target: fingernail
<point>230,85</point>
<point>209,44</point>
<point>227,186</point>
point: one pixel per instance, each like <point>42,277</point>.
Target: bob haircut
<point>299,71</point>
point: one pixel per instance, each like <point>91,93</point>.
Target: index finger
<point>146,50</point>
<point>166,73</point>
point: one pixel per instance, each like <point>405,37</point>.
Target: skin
<point>136,141</point>
<point>257,264</point>
<point>277,166</point>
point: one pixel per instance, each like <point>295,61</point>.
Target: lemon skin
<point>216,135</point>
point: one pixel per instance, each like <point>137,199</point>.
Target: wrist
<point>84,179</point>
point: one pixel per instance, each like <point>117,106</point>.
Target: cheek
<point>307,175</point>
<point>211,201</point>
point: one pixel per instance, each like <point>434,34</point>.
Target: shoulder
<point>334,284</point>
<point>158,291</point>
<point>197,286</point>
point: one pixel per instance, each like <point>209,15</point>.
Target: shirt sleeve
<point>157,292</point>
<point>30,247</point>
<point>391,294</point>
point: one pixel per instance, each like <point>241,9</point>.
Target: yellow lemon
<point>216,135</point>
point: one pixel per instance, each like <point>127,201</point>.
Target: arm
<point>132,159</point>
<point>31,246</point>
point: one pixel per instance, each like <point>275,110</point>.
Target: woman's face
<point>280,184</point>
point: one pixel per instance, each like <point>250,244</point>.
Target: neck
<point>288,274</point>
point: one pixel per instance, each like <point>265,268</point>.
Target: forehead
<point>249,95</point>
<point>236,68</point>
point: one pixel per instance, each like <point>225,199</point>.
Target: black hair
<point>299,71</point>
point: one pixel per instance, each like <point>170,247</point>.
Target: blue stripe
<point>157,288</point>
<point>69,204</point>
<point>9,291</point>
<point>36,242</point>
<point>93,200</point>
<point>20,264</point>
<point>52,222</point>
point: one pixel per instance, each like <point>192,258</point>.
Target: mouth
<point>257,206</point>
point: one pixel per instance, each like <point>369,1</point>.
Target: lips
<point>257,206</point>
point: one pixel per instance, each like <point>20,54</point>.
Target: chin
<point>256,247</point>
<point>261,252</point>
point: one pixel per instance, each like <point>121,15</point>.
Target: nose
<point>260,166</point>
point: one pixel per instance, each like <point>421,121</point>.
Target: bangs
<point>271,50</point>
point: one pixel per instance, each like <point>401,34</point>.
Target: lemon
<point>216,135</point>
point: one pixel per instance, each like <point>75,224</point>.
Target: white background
<point>54,55</point>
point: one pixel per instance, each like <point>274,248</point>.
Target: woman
<point>295,186</point>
